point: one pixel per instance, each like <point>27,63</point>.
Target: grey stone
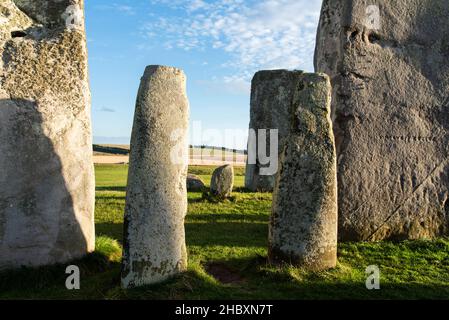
<point>222,181</point>
<point>303,226</point>
<point>47,187</point>
<point>390,111</point>
<point>156,200</point>
<point>194,183</point>
<point>271,94</point>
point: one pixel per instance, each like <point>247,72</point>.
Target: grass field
<point>227,258</point>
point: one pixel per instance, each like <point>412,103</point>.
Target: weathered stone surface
<point>271,97</point>
<point>156,200</point>
<point>303,226</point>
<point>222,181</point>
<point>47,184</point>
<point>194,183</point>
<point>390,109</point>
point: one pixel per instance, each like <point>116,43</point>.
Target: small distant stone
<point>222,181</point>
<point>194,183</point>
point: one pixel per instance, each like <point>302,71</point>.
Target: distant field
<point>118,154</point>
<point>111,149</point>
<point>227,252</point>
<point>121,148</point>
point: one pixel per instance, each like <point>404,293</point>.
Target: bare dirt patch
<point>110,159</point>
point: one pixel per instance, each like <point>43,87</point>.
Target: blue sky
<point>219,44</point>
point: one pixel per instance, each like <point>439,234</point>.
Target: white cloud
<point>125,9</point>
<point>106,109</point>
<point>256,34</point>
<point>233,84</point>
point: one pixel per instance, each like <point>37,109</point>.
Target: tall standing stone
<point>47,184</point>
<point>156,200</point>
<point>271,92</point>
<point>389,65</point>
<point>303,226</point>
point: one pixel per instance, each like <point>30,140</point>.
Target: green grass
<point>111,177</point>
<point>234,235</point>
<point>205,173</point>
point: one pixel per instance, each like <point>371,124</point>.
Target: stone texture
<point>156,200</point>
<point>222,181</point>
<point>303,226</point>
<point>271,94</point>
<point>47,184</point>
<point>194,183</point>
<point>391,115</point>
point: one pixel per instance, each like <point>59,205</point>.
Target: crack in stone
<point>379,186</point>
<point>417,188</point>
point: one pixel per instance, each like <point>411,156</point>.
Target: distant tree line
<point>107,149</point>
<point>218,148</point>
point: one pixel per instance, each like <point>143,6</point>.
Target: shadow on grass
<point>32,279</point>
<point>208,198</point>
<point>111,230</point>
<point>109,188</point>
<point>226,234</point>
<point>258,280</point>
<point>215,217</point>
<point>245,190</point>
<point>99,273</point>
<point>104,199</point>
<point>206,234</point>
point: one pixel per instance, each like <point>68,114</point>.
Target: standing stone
<point>303,226</point>
<point>47,185</point>
<point>271,93</point>
<point>222,181</point>
<point>389,66</point>
<point>194,183</point>
<point>156,200</point>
